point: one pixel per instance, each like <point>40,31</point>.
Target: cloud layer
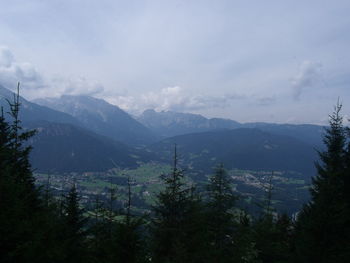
<point>173,99</point>
<point>268,61</point>
<point>12,72</point>
<point>34,85</point>
<point>308,77</point>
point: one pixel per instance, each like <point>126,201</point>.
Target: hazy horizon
<point>271,61</point>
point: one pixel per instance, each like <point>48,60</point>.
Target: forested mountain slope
<point>242,149</point>
<point>61,147</point>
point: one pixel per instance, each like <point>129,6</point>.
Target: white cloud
<point>12,72</point>
<point>76,86</point>
<point>167,99</point>
<point>308,76</point>
<point>266,101</point>
<point>34,85</point>
<point>6,57</point>
<point>171,98</point>
<point>127,103</point>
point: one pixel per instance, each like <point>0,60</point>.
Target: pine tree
<point>73,232</point>
<point>100,243</point>
<point>323,224</point>
<point>20,206</point>
<point>221,220</point>
<point>245,250</point>
<point>272,238</point>
<point>173,216</point>
<point>127,240</point>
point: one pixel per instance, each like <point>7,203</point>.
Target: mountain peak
<point>102,118</point>
<point>170,123</point>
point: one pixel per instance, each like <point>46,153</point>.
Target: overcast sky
<point>276,61</point>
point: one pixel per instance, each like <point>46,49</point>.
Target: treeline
<point>185,225</point>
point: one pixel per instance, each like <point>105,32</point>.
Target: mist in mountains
<point>74,130</point>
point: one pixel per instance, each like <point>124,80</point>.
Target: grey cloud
<point>233,46</point>
<point>265,101</point>
<point>173,98</point>
<point>208,102</point>
<point>308,76</point>
<point>35,86</point>
<point>176,99</point>
<point>6,57</point>
<point>76,86</point>
<point>12,72</point>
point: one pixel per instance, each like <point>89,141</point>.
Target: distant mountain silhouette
<point>63,144</point>
<point>169,123</point>
<point>102,118</point>
<point>81,133</point>
<point>308,133</point>
<point>240,148</point>
<point>59,147</point>
<point>33,112</point>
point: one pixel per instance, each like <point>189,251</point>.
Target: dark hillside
<point>67,148</point>
<point>242,149</point>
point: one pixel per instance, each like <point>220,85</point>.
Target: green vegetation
<point>146,185</point>
<point>185,222</point>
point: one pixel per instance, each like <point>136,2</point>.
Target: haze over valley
<point>174,131</point>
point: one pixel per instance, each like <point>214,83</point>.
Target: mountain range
<point>82,133</point>
<point>33,112</point>
<point>167,124</point>
<point>59,147</point>
<point>243,148</point>
<point>102,118</point>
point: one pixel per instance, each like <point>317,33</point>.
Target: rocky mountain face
<point>81,133</point>
<point>63,143</point>
<point>30,111</point>
<point>102,118</point>
<point>169,123</point>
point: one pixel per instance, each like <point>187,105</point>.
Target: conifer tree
<point>245,250</point>
<point>20,235</point>
<point>221,220</point>
<point>323,225</point>
<point>73,227</point>
<point>100,245</point>
<point>173,213</point>
<point>268,237</point>
<point>129,244</point>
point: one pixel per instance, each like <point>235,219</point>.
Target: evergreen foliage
<point>18,196</point>
<point>323,225</point>
<point>172,234</point>
<point>114,239</point>
<point>185,226</point>
<point>73,222</point>
<point>221,220</point>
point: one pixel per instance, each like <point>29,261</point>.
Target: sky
<point>273,61</point>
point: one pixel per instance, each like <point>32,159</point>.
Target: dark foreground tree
<point>221,221</point>
<point>25,222</point>
<point>323,225</point>
<point>116,236</point>
<point>127,238</point>
<point>73,228</point>
<point>176,223</point>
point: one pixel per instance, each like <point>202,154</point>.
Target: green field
<point>146,184</point>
